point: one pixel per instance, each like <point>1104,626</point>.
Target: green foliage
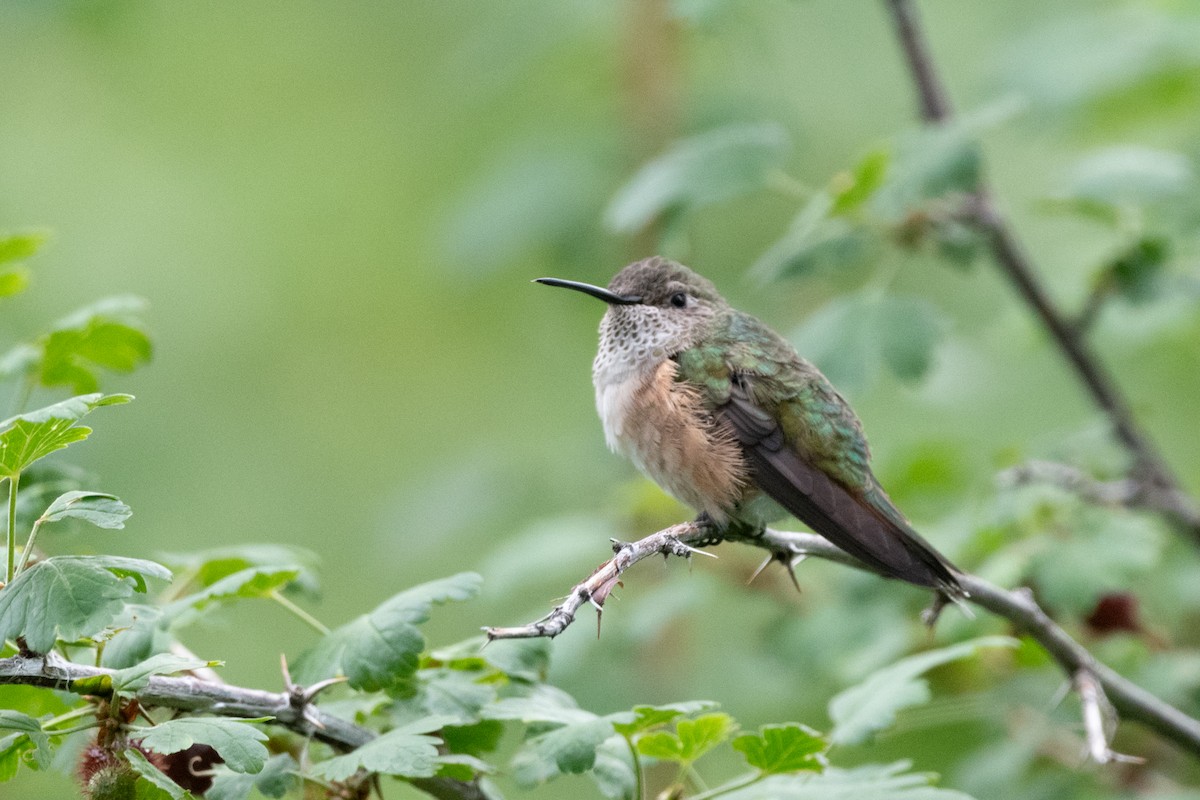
<point>854,335</point>
<point>131,679</point>
<point>380,649</point>
<point>153,784</point>
<point>276,779</point>
<point>28,736</point>
<point>106,335</point>
<point>708,168</point>
<point>863,710</point>
<point>691,739</point>
<point>29,437</point>
<point>68,597</point>
<point>237,741</point>
<point>779,749</point>
<point>407,752</point>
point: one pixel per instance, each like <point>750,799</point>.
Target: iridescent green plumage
<point>743,397</point>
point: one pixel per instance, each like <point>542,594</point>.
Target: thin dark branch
<point>221,699</point>
<point>1160,485</point>
<point>1018,607</point>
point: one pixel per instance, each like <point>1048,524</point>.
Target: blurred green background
<point>334,211</point>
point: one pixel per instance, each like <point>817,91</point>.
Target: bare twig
<point>1017,606</point>
<point>205,697</point>
<point>1123,492</point>
<point>674,541</point>
<point>1156,480</point>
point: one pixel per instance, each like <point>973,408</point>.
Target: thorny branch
<point>1157,486</point>
<point>1098,685</point>
<point>208,697</point>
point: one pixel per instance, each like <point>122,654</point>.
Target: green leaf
<point>702,170</point>
<point>31,731</point>
<point>456,694</point>
<point>132,679</point>
<point>938,160</point>
<point>613,770</point>
<point>408,752</point>
<point>238,742</point>
<point>870,782</point>
<point>778,749</point>
<point>206,567</point>
<point>569,748</point>
<point>254,582</point>
<point>277,778</point>
<point>100,509</point>
<point>691,739</point>
<point>34,435</point>
<point>908,329</point>
<point>1108,550</point>
<point>1131,175</point>
<point>852,336</point>
<point>543,704</point>
<point>67,597</point>
<point>19,246</point>
<point>13,280</point>
<point>816,241</point>
<point>646,717</point>
<point>863,710</point>
<point>153,784</point>
<point>851,189</point>
<point>1137,270</point>
<point>106,334</point>
<point>380,649</point>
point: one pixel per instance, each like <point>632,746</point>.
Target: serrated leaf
<point>277,778</point>
<point>238,742</point>
<point>18,246</point>
<point>28,437</point>
<point>68,597</point>
<point>704,169</point>
<point>206,567</point>
<point>408,752</point>
<point>870,782</point>
<point>13,280</point>
<point>255,582</point>
<point>863,710</point>
<point>646,717</point>
<point>31,730</point>
<point>100,509</point>
<point>543,704</point>
<point>778,749</point>
<point>613,771</point>
<point>456,694</point>
<point>569,748</point>
<point>132,679</point>
<point>157,785</point>
<point>691,739</point>
<point>382,648</point>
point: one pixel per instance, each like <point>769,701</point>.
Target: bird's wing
<point>863,523</point>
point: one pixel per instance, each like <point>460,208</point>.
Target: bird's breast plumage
<point>664,426</point>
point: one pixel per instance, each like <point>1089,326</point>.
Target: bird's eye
<point>679,299</point>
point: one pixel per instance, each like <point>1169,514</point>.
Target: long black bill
<point>595,291</point>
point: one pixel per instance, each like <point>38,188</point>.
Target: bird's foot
<point>713,533</point>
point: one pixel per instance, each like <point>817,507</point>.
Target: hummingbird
<point>724,414</point>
